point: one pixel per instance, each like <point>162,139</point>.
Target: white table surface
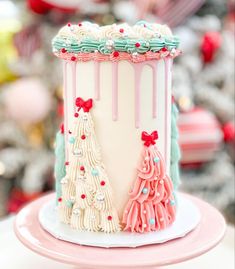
<point>14,255</point>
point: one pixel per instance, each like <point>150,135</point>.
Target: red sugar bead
<point>121,30</point>
<point>110,218</point>
<point>83,196</point>
<point>80,24</point>
<point>66,163</point>
<point>164,49</point>
<point>115,54</point>
<point>63,50</point>
<point>70,132</point>
<point>83,137</point>
<point>59,199</point>
<point>73,58</point>
<point>102,183</point>
<point>68,24</point>
<point>82,168</point>
<point>76,115</point>
<point>137,45</point>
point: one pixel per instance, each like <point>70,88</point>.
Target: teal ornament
<point>69,204</point>
<point>172,202</point>
<point>145,191</point>
<point>94,172</point>
<point>152,221</point>
<point>72,140</point>
<point>156,159</point>
<point>59,168</point>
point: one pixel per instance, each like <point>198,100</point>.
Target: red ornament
<point>137,45</point>
<point>76,115</point>
<point>115,54</point>
<point>149,139</point>
<point>121,30</point>
<point>73,58</point>
<point>85,105</point>
<point>229,132</point>
<point>82,168</point>
<point>164,49</point>
<point>62,128</point>
<point>80,24</point>
<point>83,196</point>
<point>102,183</point>
<point>68,24</point>
<point>83,137</point>
<point>110,218</point>
<point>59,199</point>
<point>70,132</point>
<point>63,50</point>
<point>211,42</point>
<point>66,163</point>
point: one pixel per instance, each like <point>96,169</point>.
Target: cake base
<point>204,237</point>
<point>188,217</point>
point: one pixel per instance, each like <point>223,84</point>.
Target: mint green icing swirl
<point>122,45</point>
<point>175,149</point>
<point>59,168</point>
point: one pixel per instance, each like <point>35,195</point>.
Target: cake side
<point>131,95</point>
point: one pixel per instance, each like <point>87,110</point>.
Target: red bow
<point>149,139</point>
<point>85,105</point>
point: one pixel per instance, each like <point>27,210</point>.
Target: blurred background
<point>31,107</point>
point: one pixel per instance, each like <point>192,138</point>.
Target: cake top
<point>89,41</point>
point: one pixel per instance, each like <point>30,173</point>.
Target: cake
<point>117,152</point>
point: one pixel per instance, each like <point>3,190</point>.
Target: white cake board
<point>188,217</point>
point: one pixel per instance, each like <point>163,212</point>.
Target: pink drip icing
<point>153,65</point>
<point>65,108</point>
<point>137,69</point>
<point>97,80</point>
<point>154,205</point>
<point>115,91</point>
<point>167,64</point>
<point>74,83</point>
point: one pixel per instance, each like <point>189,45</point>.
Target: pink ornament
<point>27,101</point>
<point>200,136</point>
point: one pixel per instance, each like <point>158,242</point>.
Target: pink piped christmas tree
<point>151,206</point>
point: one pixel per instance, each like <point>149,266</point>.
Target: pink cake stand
<point>207,235</point>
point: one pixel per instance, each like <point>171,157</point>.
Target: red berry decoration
<point>63,50</point>
<point>164,49</point>
<point>121,30</point>
<point>59,199</point>
<point>73,58</point>
<point>83,196</point>
<point>83,137</point>
<point>110,218</point>
<point>115,54</point>
<point>68,24</point>
<point>102,183</point>
<point>76,115</point>
<point>66,163</point>
<point>82,168</point>
<point>137,45</point>
<point>80,24</point>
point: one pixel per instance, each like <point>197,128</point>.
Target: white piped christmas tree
<point>87,201</point>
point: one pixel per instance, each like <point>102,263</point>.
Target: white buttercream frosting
<point>115,31</point>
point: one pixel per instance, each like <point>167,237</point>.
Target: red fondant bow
<point>149,139</point>
<point>85,105</point>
